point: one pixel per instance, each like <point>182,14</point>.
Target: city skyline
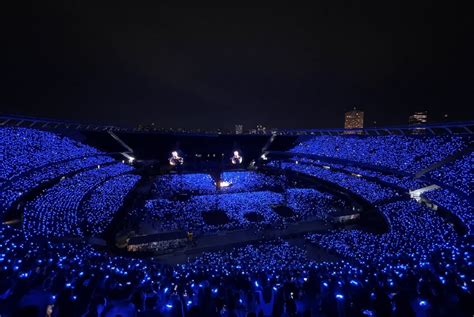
<point>353,119</point>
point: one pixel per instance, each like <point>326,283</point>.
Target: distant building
<point>354,119</point>
<point>239,129</point>
<point>261,129</point>
<point>418,118</point>
<point>147,127</point>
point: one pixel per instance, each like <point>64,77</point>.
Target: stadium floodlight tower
<point>175,159</point>
<point>236,159</point>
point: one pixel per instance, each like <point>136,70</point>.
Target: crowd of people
<point>167,186</point>
<point>305,203</point>
<point>459,206</point>
<point>13,190</point>
<point>457,174</point>
<point>402,181</point>
<point>413,229</point>
<point>273,278</point>
<point>98,210</point>
<point>420,267</point>
<point>252,181</point>
<point>22,149</point>
<point>369,190</point>
<point>56,212</point>
<point>398,152</point>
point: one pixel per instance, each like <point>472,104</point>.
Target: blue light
<point>368,312</point>
<point>428,245</point>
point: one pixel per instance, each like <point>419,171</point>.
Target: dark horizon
<point>282,67</point>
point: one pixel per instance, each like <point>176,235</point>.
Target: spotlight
<point>222,184</point>
<point>236,159</point>
<point>130,159</point>
<point>175,159</point>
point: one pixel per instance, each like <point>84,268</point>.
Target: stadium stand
<point>421,266</point>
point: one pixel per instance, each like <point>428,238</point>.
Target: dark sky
<point>128,62</point>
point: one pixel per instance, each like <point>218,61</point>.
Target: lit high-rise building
<point>261,129</point>
<point>354,119</point>
<point>419,117</point>
<point>239,129</point>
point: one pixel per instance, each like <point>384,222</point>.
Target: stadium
<point>107,221</point>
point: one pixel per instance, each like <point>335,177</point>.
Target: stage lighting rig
<point>236,159</point>
<point>175,159</point>
<point>224,184</point>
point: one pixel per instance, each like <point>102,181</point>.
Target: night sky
<point>201,67</point>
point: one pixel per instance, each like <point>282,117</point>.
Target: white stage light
<point>175,159</point>
<point>236,159</point>
<point>224,184</point>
